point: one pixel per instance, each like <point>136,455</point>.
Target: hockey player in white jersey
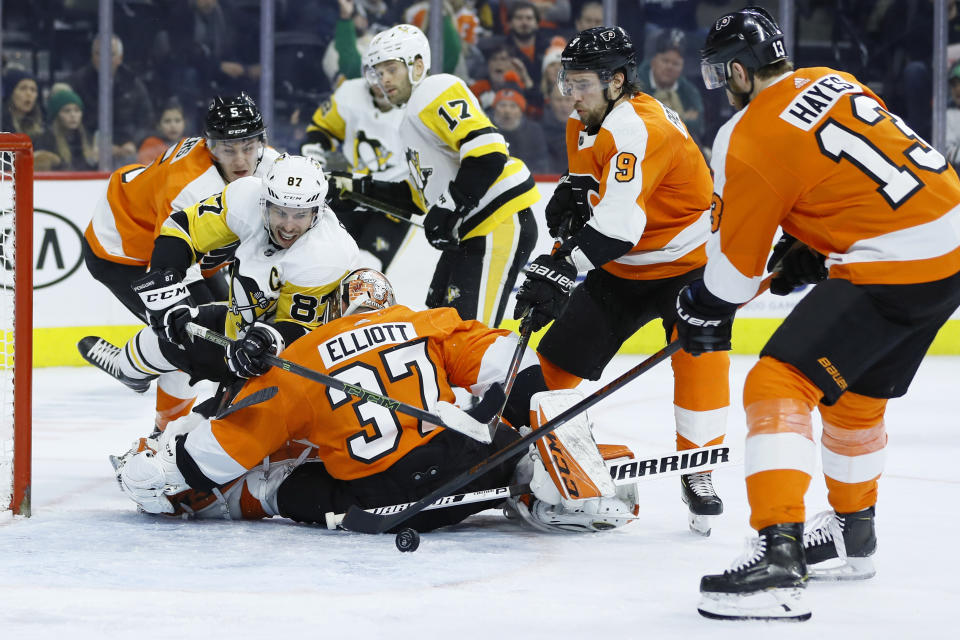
<point>476,197</point>
<point>365,127</point>
<point>291,253</point>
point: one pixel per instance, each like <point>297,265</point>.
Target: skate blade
<point>784,605</point>
<point>835,570</point>
<point>699,525</point>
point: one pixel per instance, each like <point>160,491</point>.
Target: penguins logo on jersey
<point>246,296</point>
<point>371,153</point>
<point>420,175</point>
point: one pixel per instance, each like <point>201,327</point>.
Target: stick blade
<point>460,421</point>
<point>356,519</point>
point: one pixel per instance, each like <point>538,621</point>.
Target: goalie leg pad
<point>151,475</point>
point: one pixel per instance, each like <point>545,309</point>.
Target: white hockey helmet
<point>360,291</point>
<point>296,182</point>
<point>403,42</point>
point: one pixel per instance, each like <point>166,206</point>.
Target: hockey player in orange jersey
<point>368,455</point>
<point>118,242</point>
<point>632,212</point>
<point>815,152</point>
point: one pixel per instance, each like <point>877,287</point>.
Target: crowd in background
<point>169,57</point>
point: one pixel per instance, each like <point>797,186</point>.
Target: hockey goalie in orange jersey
<point>871,216</point>
<point>356,450</point>
<point>118,242</point>
<point>632,213</point>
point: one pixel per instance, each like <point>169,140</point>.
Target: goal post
<point>16,316</point>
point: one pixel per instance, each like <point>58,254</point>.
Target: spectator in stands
<point>504,70</point>
<point>169,131</point>
<point>551,69</point>
<point>21,110</point>
<point>525,39</point>
<point>71,147</point>
<point>662,77</point>
<point>557,111</point>
<point>132,108</point>
<point>351,36</point>
<point>551,14</point>
<point>418,15</point>
<point>524,137</point>
<point>952,144</point>
<point>590,16</point>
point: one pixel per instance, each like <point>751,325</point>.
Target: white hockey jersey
<point>369,138</point>
<point>138,199</point>
<point>267,283</point>
<point>442,125</point>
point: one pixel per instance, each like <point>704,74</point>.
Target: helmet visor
<point>581,83</point>
<point>714,74</point>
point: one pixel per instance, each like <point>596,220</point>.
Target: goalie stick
<point>452,417</point>
<point>672,463</point>
<point>357,519</point>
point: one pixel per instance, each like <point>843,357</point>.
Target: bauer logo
<point>57,244</point>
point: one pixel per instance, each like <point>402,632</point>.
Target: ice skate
<point>766,584</point>
<point>839,546</point>
<point>697,492</point>
<point>106,357</point>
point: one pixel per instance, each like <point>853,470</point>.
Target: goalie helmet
<point>233,118</point>
<point>403,42</point>
<point>295,182</point>
<point>750,37</point>
<point>605,50</point>
<point>360,291</point>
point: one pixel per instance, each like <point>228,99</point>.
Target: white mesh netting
<point>7,279</point>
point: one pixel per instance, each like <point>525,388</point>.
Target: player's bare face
<point>287,224</point>
<point>589,96</point>
<point>393,78</point>
<point>237,158</point>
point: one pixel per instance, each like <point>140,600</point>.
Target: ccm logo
<point>167,294</point>
<point>550,274</point>
<point>557,453</point>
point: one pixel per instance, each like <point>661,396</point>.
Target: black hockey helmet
<point>749,36</point>
<point>233,118</point>
<point>605,50</point>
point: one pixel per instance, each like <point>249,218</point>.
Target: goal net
<point>16,311</point>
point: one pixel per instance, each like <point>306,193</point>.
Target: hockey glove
<point>245,356</point>
<point>704,321</point>
<point>796,265</point>
<point>545,291</point>
<point>442,223</point>
<point>161,292</point>
<point>568,209</point>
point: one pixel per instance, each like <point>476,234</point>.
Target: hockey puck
<point>407,540</point>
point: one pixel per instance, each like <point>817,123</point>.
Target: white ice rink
<point>86,565</point>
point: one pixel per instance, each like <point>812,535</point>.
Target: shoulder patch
<point>185,148</point>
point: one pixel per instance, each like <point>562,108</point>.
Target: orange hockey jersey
<point>138,199</point>
<point>412,356</point>
<point>651,187</point>
<point>818,154</point>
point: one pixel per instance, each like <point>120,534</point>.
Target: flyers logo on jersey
<point>809,107</point>
<point>716,212</point>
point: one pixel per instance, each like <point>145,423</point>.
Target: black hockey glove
<point>568,209</point>
<point>545,291</point>
<point>442,223</point>
<point>797,265</point>
<point>168,304</point>
<point>245,356</point>
<point>704,321</point>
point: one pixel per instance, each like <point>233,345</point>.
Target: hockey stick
<point>380,207</point>
<point>672,463</point>
<point>525,330</point>
<point>450,417</point>
<point>361,521</point>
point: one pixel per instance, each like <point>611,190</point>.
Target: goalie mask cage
<point>16,315</point>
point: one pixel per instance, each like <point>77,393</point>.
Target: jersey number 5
<point>896,182</point>
<point>382,433</point>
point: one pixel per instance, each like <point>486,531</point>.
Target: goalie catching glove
<point>245,356</point>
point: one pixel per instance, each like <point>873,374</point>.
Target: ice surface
<point>86,565</point>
